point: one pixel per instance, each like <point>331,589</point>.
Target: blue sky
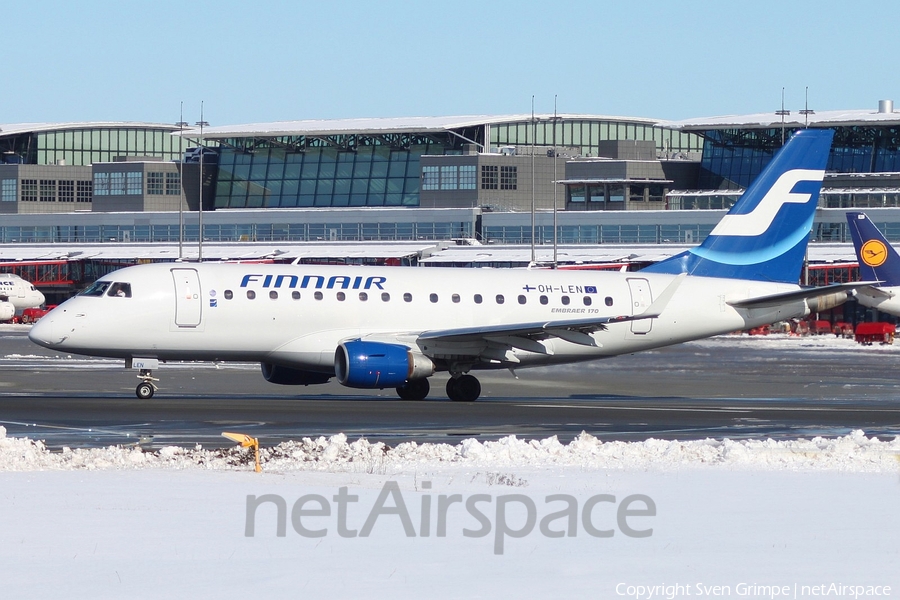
<point>259,61</point>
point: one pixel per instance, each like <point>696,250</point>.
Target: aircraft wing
<point>494,341</point>
<point>802,294</point>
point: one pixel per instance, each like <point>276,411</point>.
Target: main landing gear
<point>146,388</point>
<point>463,388</point>
<point>414,389</point>
<point>460,388</point>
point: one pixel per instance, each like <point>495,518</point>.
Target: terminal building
<point>490,180</point>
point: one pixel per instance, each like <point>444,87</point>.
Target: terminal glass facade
<point>732,158</point>
<point>336,171</point>
<point>80,147</point>
<point>586,134</point>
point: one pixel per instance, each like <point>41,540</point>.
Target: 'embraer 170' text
<point>341,282</point>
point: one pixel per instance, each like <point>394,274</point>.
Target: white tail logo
<point>760,218</point>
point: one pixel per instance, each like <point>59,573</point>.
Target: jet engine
<point>822,303</point>
<point>287,376</point>
<point>7,311</point>
<point>371,365</point>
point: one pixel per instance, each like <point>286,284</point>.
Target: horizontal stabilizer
<point>803,294</point>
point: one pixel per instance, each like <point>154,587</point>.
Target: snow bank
<point>851,453</point>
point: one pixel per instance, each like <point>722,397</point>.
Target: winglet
<point>655,309</point>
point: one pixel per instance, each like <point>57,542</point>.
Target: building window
<point>134,183</point>
<point>431,178</point>
<point>508,177</point>
<point>448,178</point>
<point>576,193</point>
<point>155,184</point>
<point>84,191</point>
<point>66,191</point>
<point>467,177</point>
<point>173,184</point>
<point>101,184</point>
<point>8,190</point>
<point>48,190</point>
<point>489,177</point>
<point>117,184</point>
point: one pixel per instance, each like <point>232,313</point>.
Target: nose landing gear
<point>146,388</point>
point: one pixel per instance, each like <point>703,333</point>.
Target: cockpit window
<point>96,289</point>
<point>122,290</point>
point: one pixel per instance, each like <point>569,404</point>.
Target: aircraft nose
<point>42,333</point>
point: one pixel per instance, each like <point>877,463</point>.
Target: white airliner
<point>386,327</point>
<point>878,261</point>
<point>17,294</point>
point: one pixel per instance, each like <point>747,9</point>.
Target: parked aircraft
<point>394,327</point>
<point>878,261</point>
<point>17,294</point>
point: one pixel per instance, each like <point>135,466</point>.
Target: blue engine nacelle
<point>371,365</point>
<point>287,376</point>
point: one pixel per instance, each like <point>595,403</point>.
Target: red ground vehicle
<point>819,327</point>
<point>33,315</point>
<point>841,329</point>
<point>877,332</point>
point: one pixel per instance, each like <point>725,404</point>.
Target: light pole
<point>181,125</point>
<point>202,124</point>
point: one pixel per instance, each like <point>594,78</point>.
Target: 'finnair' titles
<point>395,327</point>
<point>340,282</point>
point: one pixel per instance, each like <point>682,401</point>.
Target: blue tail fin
<point>878,261</point>
<point>764,236</point>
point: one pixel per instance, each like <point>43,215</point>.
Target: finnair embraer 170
<point>878,261</point>
<point>384,327</point>
<point>16,294</point>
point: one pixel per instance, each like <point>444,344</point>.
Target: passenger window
<point>544,300</point>
<point>273,295</point>
<point>229,294</point>
<point>407,297</point>
<point>341,296</point>
<point>455,298</point>
<point>121,290</point>
<point>609,300</point>
<point>587,300</point>
<point>295,295</point>
<point>522,299</point>
<point>565,300</point>
<point>500,299</point>
<point>433,298</point>
<point>477,298</point>
<point>251,294</point>
<point>96,289</point>
<point>318,295</point>
<point>363,296</point>
<point>385,296</point>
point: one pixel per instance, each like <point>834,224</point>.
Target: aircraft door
<point>640,300</point>
<point>188,303</point>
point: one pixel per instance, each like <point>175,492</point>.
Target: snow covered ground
<point>656,519</point>
<point>509,519</point>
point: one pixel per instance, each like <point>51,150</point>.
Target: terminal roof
<point>825,118</point>
<point>382,125</point>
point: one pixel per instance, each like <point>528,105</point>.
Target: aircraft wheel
<point>465,388</point>
<point>144,391</point>
<point>414,389</point>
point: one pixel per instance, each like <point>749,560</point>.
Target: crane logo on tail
<point>873,253</point>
